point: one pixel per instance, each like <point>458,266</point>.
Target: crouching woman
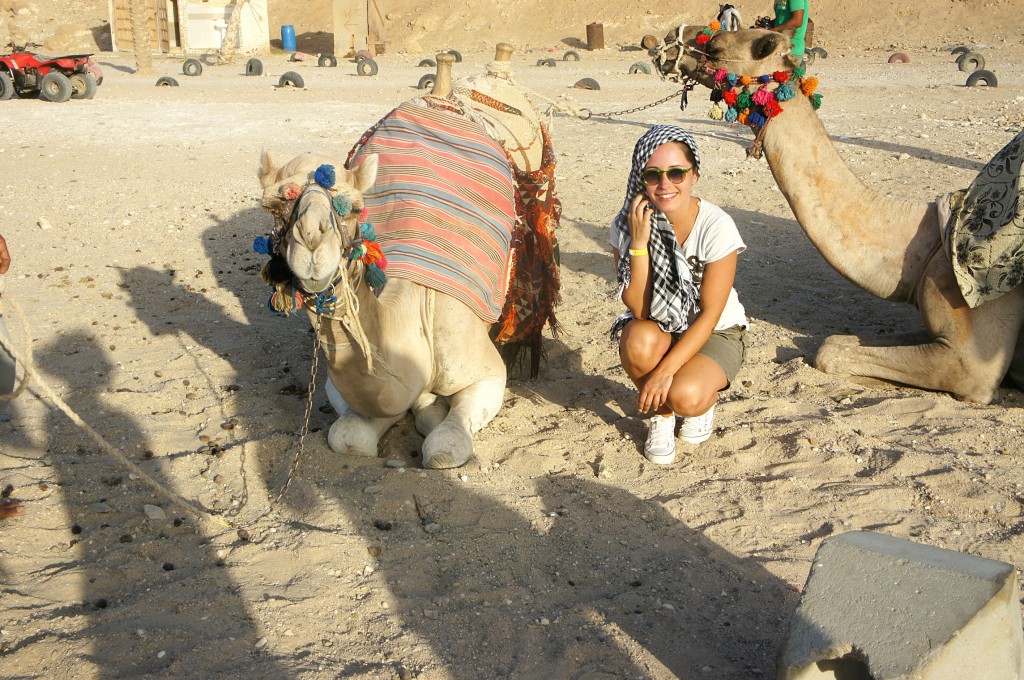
<point>682,337</point>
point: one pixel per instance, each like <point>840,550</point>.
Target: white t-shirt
<point>713,237</point>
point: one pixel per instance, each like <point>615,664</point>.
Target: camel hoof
<point>447,447</point>
<point>351,435</point>
<point>831,355</point>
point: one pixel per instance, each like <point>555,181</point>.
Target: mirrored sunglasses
<point>676,175</point>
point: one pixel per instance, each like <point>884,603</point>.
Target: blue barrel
<point>288,38</point>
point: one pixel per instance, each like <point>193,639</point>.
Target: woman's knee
<point>641,344</point>
<point>691,399</point>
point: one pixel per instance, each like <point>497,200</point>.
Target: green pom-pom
<point>743,101</point>
<point>375,277</point>
<point>799,72</point>
<point>342,204</point>
<point>816,100</point>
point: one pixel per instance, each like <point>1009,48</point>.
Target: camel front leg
<point>968,353</point>
<point>352,433</point>
<point>450,444</point>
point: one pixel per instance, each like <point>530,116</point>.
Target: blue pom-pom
<point>324,176</point>
<point>757,119</point>
<point>375,277</point>
<point>367,231</point>
<point>764,79</point>
<point>261,244</point>
<point>731,115</point>
<point>342,204</point>
<point>784,92</point>
<point>732,78</point>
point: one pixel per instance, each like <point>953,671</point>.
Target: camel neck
<point>873,241</point>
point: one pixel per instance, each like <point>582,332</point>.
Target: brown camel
<point>890,248</point>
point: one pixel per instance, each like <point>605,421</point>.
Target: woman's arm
<point>637,295</point>
<point>714,293</point>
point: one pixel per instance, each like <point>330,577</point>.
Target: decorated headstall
<point>754,100</point>
<point>288,297</point>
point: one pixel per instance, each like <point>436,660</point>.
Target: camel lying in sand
<point>890,248</point>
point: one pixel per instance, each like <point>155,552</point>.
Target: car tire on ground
<point>192,67</point>
<point>166,81</point>
<point>428,62</point>
<point>587,84</point>
<point>209,59</point>
<point>254,67</point>
<point>899,57</point>
<point>55,87</point>
<point>83,86</point>
<point>571,55</point>
<point>960,49</point>
<point>546,62</point>
<point>427,82</point>
<point>456,54</point>
<point>982,76</point>
<point>291,79</point>
<point>367,67</point>
<point>640,67</point>
<point>6,87</point>
<point>970,61</point>
<point>327,60</point>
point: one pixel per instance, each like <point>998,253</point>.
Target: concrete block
<point>880,608</point>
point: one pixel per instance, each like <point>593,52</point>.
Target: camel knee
<point>831,356</point>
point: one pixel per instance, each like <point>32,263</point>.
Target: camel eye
<point>763,47</point>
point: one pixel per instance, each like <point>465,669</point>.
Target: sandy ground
<point>561,553</point>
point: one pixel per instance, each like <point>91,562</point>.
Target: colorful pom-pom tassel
<point>715,113</point>
<point>373,254</point>
<point>366,229</point>
<point>764,79</point>
<point>762,97</point>
<point>799,72</point>
<point>808,86</point>
<point>261,244</point>
<point>731,115</point>
<point>729,97</point>
<point>715,25</point>
<point>375,277</point>
<point>342,204</point>
<point>757,119</point>
<point>745,80</point>
<point>772,109</point>
<point>716,95</point>
<point>743,100</point>
<point>290,192</point>
<point>703,38</point>
<point>742,117</point>
<point>324,176</point>
<point>816,101</point>
<point>784,92</point>
<point>720,75</point>
<point>780,76</point>
<point>732,77</point>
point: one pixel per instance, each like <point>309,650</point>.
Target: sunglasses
<point>676,175</point>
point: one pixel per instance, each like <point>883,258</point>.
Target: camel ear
<point>766,46</point>
<point>366,173</point>
<point>267,170</point>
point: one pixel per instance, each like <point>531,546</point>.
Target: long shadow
<point>588,581</point>
<point>154,582</point>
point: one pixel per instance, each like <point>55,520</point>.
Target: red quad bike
<point>54,79</point>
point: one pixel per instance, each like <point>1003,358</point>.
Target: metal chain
<point>586,114</point>
<point>309,410</point>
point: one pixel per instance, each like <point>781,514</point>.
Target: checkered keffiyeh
<point>673,295</point>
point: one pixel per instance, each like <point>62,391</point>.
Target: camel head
<point>316,206</point>
<point>752,52</point>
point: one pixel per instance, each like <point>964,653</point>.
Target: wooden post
<point>595,36</point>
<point>443,79</point>
<point>503,52</point>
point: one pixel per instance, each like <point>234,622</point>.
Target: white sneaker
<point>698,428</point>
<point>661,440</point>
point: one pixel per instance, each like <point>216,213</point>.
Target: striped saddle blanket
<point>443,205</point>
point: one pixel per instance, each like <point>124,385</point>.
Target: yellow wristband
<point>638,253</point>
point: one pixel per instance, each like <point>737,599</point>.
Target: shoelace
<point>661,433</point>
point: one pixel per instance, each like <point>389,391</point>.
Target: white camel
<point>406,347</point>
<point>890,248</point>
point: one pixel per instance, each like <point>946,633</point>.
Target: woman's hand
<point>654,392</point>
<point>640,212</point>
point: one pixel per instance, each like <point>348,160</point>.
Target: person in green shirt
<point>794,14</point>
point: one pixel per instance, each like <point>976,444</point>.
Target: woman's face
<point>666,196</point>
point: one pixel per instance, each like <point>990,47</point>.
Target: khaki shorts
<point>728,349</point>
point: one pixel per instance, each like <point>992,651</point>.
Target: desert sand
<point>559,551</point>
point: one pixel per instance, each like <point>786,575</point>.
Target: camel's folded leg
<point>429,410</point>
<point>450,444</point>
<point>968,356</point>
<point>352,433</point>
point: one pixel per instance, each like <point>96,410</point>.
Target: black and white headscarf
<point>673,296</point>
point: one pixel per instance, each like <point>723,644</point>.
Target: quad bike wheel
<point>982,76</point>
<point>639,67</point>
<point>55,87</point>
<point>166,81</point>
<point>427,82</point>
<point>6,87</point>
<point>83,86</point>
<point>327,60</point>
<point>291,79</point>
<point>254,67</point>
<point>192,67</point>
<point>970,61</point>
<point>367,67</point>
<point>429,63</point>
